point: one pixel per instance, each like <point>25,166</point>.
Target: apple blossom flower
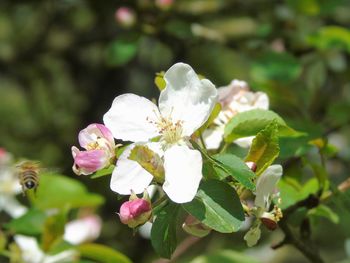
<point>184,106</point>
<point>31,252</point>
<point>9,186</point>
<point>82,230</point>
<point>136,211</point>
<point>234,98</point>
<point>125,16</point>
<point>265,191</point>
<point>99,144</point>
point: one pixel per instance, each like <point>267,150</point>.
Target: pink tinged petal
<point>132,118</point>
<point>227,93</point>
<point>266,184</point>
<point>82,230</point>
<point>92,132</point>
<point>129,176</point>
<point>183,173</point>
<point>186,98</point>
<point>87,162</point>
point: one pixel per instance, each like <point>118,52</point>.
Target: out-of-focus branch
<point>181,249</point>
<point>290,238</point>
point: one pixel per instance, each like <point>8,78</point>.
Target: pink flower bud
<point>135,212</point>
<point>99,144</point>
<point>125,16</point>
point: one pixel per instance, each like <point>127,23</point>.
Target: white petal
<point>65,256</point>
<point>82,230</point>
<point>245,142</point>
<point>31,253</point>
<point>213,137</point>
<point>266,184</point>
<point>129,175</point>
<point>186,97</point>
<point>13,207</point>
<point>130,118</point>
<point>183,173</point>
<point>145,230</point>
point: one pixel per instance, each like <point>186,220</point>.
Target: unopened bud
<point>252,166</point>
<point>136,211</point>
<point>194,227</point>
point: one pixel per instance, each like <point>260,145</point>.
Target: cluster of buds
<point>98,142</point>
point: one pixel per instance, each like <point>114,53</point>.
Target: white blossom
<point>9,187</point>
<point>184,106</point>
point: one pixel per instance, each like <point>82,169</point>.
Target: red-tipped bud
<point>252,166</point>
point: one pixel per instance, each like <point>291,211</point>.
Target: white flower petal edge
<point>266,184</point>
<point>213,137</point>
<point>129,175</point>
<point>183,173</point>
<point>130,118</point>
<point>11,206</point>
<point>186,98</point>
<point>31,252</point>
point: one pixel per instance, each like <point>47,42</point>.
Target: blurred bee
<point>28,174</point>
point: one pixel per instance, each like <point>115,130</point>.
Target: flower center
<point>171,131</point>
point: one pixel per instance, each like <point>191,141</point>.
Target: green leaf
<point>120,52</point>
<point>163,233</point>
<point>331,37</point>
<point>3,241</point>
<point>102,254</point>
<point>159,81</point>
<point>282,67</point>
<point>249,123</point>
<point>31,223</point>
<point>264,149</point>
<point>224,256</point>
<point>217,205</point>
<point>53,230</point>
<point>58,191</point>
<point>103,172</point>
<point>325,211</point>
<point>236,168</point>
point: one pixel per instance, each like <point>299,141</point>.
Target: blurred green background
<point>62,63</point>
